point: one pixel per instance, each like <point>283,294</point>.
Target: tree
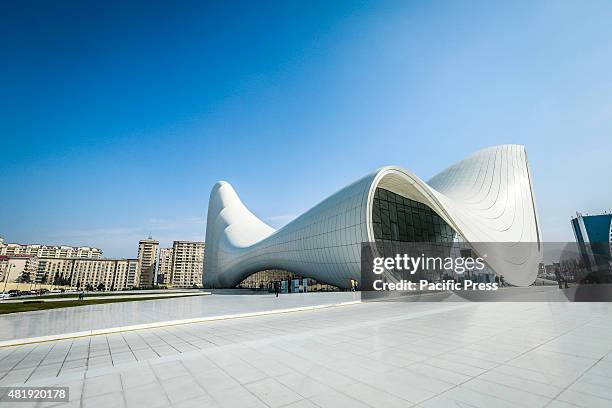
<point>24,277</point>
<point>100,286</point>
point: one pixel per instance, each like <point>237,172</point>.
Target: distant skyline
<point>117,119</point>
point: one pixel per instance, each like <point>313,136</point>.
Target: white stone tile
<point>455,367</point>
<point>302,404</point>
<point>560,404</point>
<point>137,376</point>
<point>476,399</point>
<point>273,393</point>
<point>334,399</point>
<point>301,384</point>
<point>169,369</point>
<point>404,390</point>
<point>602,368</point>
<point>181,388</point>
<point>149,396</point>
<point>554,363</point>
<point>373,397</point>
<point>513,395</point>
<point>329,377</point>
<point>596,379</point>
<point>236,397</point>
<point>205,401</point>
<point>244,373</point>
<point>602,391</point>
<point>70,404</point>
<point>438,373</point>
<point>214,381</point>
<point>536,377</point>
<point>114,399</point>
<point>534,387</point>
<point>270,367</point>
<point>102,385</point>
<point>416,380</point>
<point>584,400</point>
<point>444,402</point>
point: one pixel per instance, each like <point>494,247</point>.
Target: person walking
<point>276,289</point>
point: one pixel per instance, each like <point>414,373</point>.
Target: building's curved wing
<point>486,198</point>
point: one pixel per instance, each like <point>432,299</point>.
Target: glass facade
<point>402,225</point>
<point>596,246</point>
<point>396,218</point>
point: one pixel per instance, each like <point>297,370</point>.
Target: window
<point>396,218</point>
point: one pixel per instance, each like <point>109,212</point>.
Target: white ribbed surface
<point>487,198</point>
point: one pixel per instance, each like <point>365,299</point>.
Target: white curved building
<point>486,198</point>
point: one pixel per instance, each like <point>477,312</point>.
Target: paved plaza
<point>376,354</point>
<point>97,317</point>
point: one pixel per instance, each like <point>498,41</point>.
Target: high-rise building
<point>55,271</point>
<point>50,251</point>
<point>62,265</point>
<point>594,238</point>
<point>101,274</point>
<point>164,267</point>
<point>187,264</point>
<point>147,261</point>
<point>105,274</point>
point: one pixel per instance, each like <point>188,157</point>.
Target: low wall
<point>29,286</point>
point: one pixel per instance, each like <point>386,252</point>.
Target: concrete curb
<point>98,332</point>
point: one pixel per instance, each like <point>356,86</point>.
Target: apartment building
<point>101,274</point>
<point>55,271</point>
<point>187,264</point>
<point>50,251</point>
<point>164,267</point>
<point>147,261</point>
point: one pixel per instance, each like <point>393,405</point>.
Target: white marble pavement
<point>380,354</point>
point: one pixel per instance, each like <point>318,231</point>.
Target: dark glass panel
<point>377,230</point>
<point>394,232</point>
<point>398,218</point>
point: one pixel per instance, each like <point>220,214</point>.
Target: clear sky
<point>117,119</point>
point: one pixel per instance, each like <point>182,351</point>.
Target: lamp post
<point>31,282</point>
<point>8,272</point>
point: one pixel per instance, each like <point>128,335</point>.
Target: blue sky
<point>116,120</point>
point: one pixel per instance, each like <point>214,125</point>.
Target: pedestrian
<point>82,295</point>
<point>276,289</point>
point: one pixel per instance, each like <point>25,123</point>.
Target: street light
<point>31,282</point>
<point>8,272</point>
